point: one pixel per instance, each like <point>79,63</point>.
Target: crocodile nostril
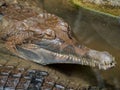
<point>111,63</point>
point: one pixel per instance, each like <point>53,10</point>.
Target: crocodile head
<point>59,46</point>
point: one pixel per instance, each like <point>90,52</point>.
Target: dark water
<point>95,31</point>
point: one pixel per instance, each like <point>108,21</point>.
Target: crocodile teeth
<point>73,58</point>
<point>70,57</point>
<point>60,55</point>
<point>76,59</point>
<point>83,60</point>
<point>99,66</point>
<point>66,56</point>
<point>86,63</point>
<point>41,15</point>
<point>57,55</point>
<point>79,60</point>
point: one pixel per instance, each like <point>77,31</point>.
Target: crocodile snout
<point>50,52</point>
<point>103,60</point>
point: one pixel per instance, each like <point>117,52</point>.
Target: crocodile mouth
<point>49,52</point>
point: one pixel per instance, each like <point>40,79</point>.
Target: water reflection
<point>93,31</point>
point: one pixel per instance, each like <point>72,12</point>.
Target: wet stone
<point>33,87</point>
<point>32,71</point>
<point>48,86</point>
<point>35,84</point>
<point>11,83</point>
<point>59,87</point>
<point>23,84</point>
<point>39,76</point>
<point>29,74</point>
<point>3,80</point>
<point>48,83</point>
<point>41,73</point>
<point>39,79</point>
<point>36,80</point>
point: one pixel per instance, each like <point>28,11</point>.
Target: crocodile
<point>45,38</point>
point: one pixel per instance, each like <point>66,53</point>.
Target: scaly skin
<point>45,38</point>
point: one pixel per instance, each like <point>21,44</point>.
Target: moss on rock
<point>102,7</point>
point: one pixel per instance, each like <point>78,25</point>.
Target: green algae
<point>102,9</point>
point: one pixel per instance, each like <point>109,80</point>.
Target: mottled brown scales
<point>27,24</point>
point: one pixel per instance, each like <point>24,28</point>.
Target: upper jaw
<point>82,55</point>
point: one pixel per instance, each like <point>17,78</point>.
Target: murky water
<point>95,31</point>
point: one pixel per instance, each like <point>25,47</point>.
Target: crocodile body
<point>45,38</point>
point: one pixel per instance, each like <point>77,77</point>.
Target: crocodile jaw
<point>44,53</point>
